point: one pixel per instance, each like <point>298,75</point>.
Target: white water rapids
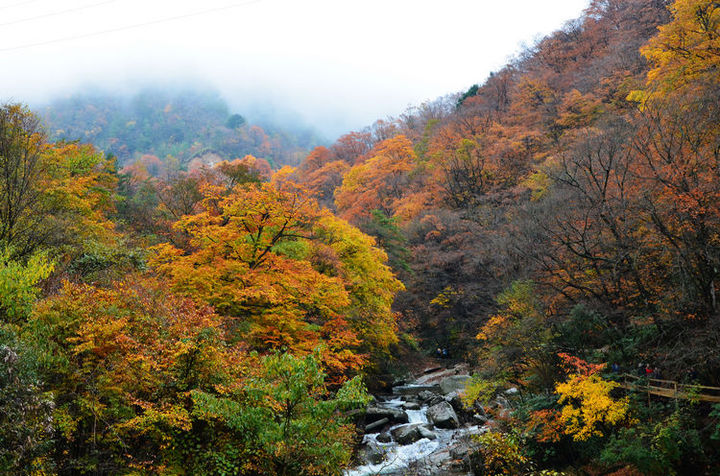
<point>396,457</point>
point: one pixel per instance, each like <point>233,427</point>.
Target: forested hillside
<point>187,125</point>
<point>557,226</point>
<point>165,311</point>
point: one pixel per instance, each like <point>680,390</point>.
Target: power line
<point>130,27</point>
<point>53,14</point>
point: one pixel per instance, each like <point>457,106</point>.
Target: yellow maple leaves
<point>685,50</point>
<point>589,408</point>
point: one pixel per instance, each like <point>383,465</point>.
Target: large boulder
<point>395,415</point>
<point>407,434</point>
<point>431,398</point>
<point>442,415</point>
<point>465,415</point>
<point>454,383</point>
<point>372,453</point>
<point>455,401</point>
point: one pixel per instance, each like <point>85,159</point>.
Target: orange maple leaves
<point>280,268</point>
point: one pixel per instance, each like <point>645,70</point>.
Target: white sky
<point>340,64</point>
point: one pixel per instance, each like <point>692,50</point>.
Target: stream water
<point>426,456</point>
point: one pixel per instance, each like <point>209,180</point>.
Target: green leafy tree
<point>25,411</point>
<point>235,121</point>
<point>18,284</point>
<point>284,418</point>
<point>389,237</point>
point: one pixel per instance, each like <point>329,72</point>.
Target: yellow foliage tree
<point>589,406</point>
<point>687,48</point>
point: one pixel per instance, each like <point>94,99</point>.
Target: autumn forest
<point>185,292</point>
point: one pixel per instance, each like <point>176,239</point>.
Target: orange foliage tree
<point>288,274</point>
<point>119,362</point>
<point>379,183</point>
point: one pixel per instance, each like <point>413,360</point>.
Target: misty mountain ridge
<point>186,124</point>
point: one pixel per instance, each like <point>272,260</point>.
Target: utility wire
<point>53,14</point>
<point>130,27</point>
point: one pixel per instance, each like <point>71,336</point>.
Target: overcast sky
<point>340,64</point>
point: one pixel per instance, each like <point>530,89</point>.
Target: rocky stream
<point>421,429</point>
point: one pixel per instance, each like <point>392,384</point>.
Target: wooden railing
<point>669,388</point>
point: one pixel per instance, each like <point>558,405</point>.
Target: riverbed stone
<point>400,380</point>
<point>455,401</point>
<point>442,415</point>
<point>431,398</point>
<point>395,415</point>
<point>372,454</point>
<point>411,406</point>
<point>414,389</point>
<point>435,368</point>
<point>426,432</point>
<point>453,383</point>
<point>384,437</point>
<point>407,434</point>
<point>376,425</point>
<point>480,419</point>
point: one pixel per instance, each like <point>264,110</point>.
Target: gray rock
<point>395,415</point>
<point>465,414</point>
<point>442,415</point>
<point>411,406</point>
<point>439,463</point>
<point>384,437</point>
<point>425,432</point>
<point>372,454</point>
<point>376,425</point>
<point>477,431</point>
<point>479,407</point>
<point>453,383</point>
<point>429,370</point>
<point>481,419</point>
<point>402,379</point>
<point>414,389</point>
<point>454,400</point>
<point>459,450</point>
<point>429,397</point>
<point>407,434</point>
<point>439,457</point>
